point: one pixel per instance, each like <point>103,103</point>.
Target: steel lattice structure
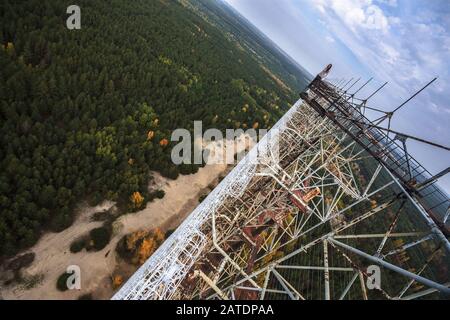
<point>322,197</point>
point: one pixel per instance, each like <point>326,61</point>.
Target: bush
<point>211,186</point>
<point>77,245</point>
<point>61,283</point>
<point>202,197</point>
<point>138,246</point>
<point>86,296</point>
<point>169,233</point>
<point>101,216</point>
<point>160,194</point>
<point>100,237</point>
<point>186,169</point>
<point>117,281</point>
<point>32,281</point>
<point>170,172</point>
<point>122,249</point>
<point>21,261</point>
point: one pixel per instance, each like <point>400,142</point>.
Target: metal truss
<point>303,216</point>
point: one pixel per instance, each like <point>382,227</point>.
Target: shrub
<point>211,186</point>
<point>21,261</point>
<point>77,245</point>
<point>86,296</point>
<point>61,283</point>
<point>202,197</point>
<point>186,169</point>
<point>101,216</point>
<point>169,233</point>
<point>170,172</point>
<point>138,246</point>
<point>32,281</point>
<point>117,281</point>
<point>100,237</point>
<point>122,249</point>
<point>160,194</point>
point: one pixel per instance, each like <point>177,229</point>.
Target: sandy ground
<point>52,251</point>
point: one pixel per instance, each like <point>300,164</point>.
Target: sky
<point>403,42</point>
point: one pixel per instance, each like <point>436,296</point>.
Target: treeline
<point>88,113</point>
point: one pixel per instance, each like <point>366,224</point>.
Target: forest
<point>87,114</point>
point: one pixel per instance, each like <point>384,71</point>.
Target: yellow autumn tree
<point>134,237</point>
<point>163,142</point>
<point>158,235</point>
<point>117,280</point>
<point>137,200</point>
<point>147,247</point>
<point>142,244</point>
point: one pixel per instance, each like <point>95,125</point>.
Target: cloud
<point>391,3</point>
<point>405,51</point>
<point>355,14</point>
<point>330,39</point>
<point>390,54</point>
